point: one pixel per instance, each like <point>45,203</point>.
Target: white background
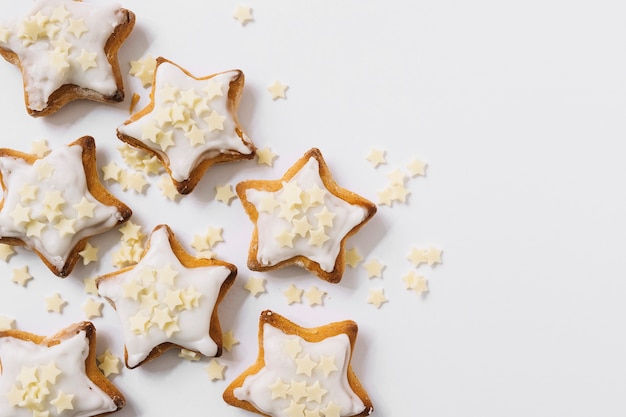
<point>518,109</point>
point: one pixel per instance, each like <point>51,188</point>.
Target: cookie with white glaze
<point>301,372</point>
<point>168,300</point>
<point>55,203</point>
<point>190,123</point>
<point>55,375</point>
<point>303,218</point>
<point>67,50</point>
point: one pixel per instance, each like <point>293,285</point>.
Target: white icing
<point>69,357</point>
<point>194,323</point>
<point>67,177</point>
<point>279,364</point>
<point>184,156</point>
<point>347,216</point>
<point>40,71</point>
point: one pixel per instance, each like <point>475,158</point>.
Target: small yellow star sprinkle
<point>314,296</point>
<point>21,275</point>
<point>215,370</point>
<point>377,297</point>
<point>143,69</point>
<point>92,308</point>
<point>90,285</point>
<point>353,257</point>
<point>376,157</point>
<point>255,285</point>
<point>277,90</point>
<point>229,340</point>
<point>224,193</point>
<point>89,254</point>
<point>6,251</point>
<point>108,363</point>
<point>374,268</point>
<point>6,323</point>
<point>265,156</point>
<point>243,14</point>
<point>293,294</point>
<point>55,303</point>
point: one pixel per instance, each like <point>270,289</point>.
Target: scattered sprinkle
<point>143,69</point>
<point>21,276</point>
<point>293,294</point>
<point>168,189</point>
<point>243,14</point>
<point>376,157</point>
<point>416,282</point>
<point>40,148</point>
<point>353,257</point>
<point>314,296</point>
<point>6,323</point>
<point>224,193</point>
<point>215,370</point>
<point>90,285</point>
<point>108,363</point>
<point>416,167</point>
<point>89,254</point>
<point>277,90</point>
<point>255,285</point>
<point>429,255</point>
<point>55,303</point>
<point>92,308</point>
<point>6,251</point>
<point>377,297</point>
<point>374,268</point>
<point>229,340</point>
<point>265,156</point>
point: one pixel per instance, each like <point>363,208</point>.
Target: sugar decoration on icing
<point>62,42</point>
<point>50,379</point>
<point>300,377</point>
<point>161,300</point>
<point>189,120</point>
<point>50,205</point>
<point>303,215</point>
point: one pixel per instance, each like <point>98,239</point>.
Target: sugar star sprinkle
<point>69,55</point>
<point>224,193</point>
<point>229,340</point>
<point>255,285</point>
<point>376,157</point>
<point>293,294</point>
<point>300,369</point>
<point>243,14</point>
<point>265,156</point>
<point>314,296</point>
<point>55,303</point>
<point>21,276</point>
<point>92,308</point>
<point>377,297</point>
<point>45,376</point>
<point>53,204</point>
<point>190,123</point>
<point>374,268</point>
<point>215,370</point>
<point>277,90</point>
<point>6,323</point>
<point>304,218</point>
<point>353,257</point>
<point>143,69</point>
<point>108,363</point>
<point>169,299</point>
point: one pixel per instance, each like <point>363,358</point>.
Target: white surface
<point>518,108</point>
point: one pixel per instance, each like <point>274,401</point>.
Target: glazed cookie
<point>301,372</point>
<point>67,50</point>
<point>54,376</point>
<point>191,123</point>
<point>169,299</point>
<point>54,204</point>
<point>304,218</point>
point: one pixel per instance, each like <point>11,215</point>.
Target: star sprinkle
<point>277,90</point>
<point>416,168</point>
<point>353,257</point>
<point>306,195</point>
<point>286,382</point>
<point>374,268</point>
<point>229,340</point>
<point>143,69</point>
<point>415,282</point>
<point>293,294</point>
<point>376,157</point>
<point>64,57</point>
<point>44,376</point>
<point>40,148</point>
<point>190,123</point>
<point>224,193</point>
<point>6,251</point>
<point>314,296</point>
<point>168,299</point>
<point>21,276</point>
<point>6,323</point>
<point>55,303</point>
<point>243,14</point>
<point>215,370</point>
<point>168,189</point>
<point>265,156</point>
<point>108,363</point>
<point>255,285</point>
<point>429,255</point>
<point>89,254</point>
<point>54,214</point>
<point>90,285</point>
<point>92,308</point>
<point>377,297</point>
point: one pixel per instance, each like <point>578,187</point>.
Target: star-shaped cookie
<point>54,204</point>
<point>67,50</point>
<point>191,123</point>
<point>45,376</point>
<point>304,218</point>
<point>169,299</point>
<point>301,372</point>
